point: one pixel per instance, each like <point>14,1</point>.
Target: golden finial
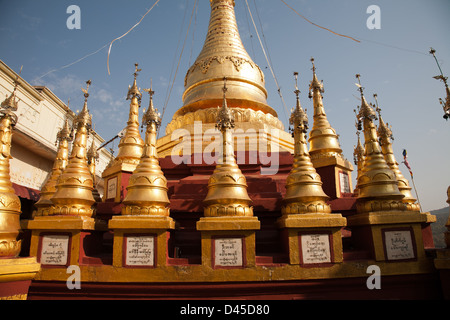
<point>133,91</point>
<point>446,104</point>
<point>224,117</point>
<point>84,117</point>
<point>299,118</point>
<point>365,111</point>
<point>151,115</point>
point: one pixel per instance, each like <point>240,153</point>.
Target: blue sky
<point>393,62</point>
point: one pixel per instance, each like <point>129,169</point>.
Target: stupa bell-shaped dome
<point>224,55</point>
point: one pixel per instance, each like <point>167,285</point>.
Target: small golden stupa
<point>147,189</point>
<point>385,136</point>
<point>62,158</point>
<point>325,150</point>
<point>131,144</point>
<point>377,184</point>
<point>73,196</point>
<point>304,207</point>
<point>323,139</point>
<point>227,187</point>
<point>304,193</point>
<point>10,207</point>
<point>120,168</point>
<point>145,212</point>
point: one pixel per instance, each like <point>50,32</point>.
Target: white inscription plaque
<point>55,250</point>
<point>228,252</point>
<point>140,251</point>
<point>344,182</point>
<point>399,245</point>
<point>316,248</point>
<point>112,188</point>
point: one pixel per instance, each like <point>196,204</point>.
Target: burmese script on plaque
<point>112,188</point>
<point>228,252</point>
<point>140,251</point>
<point>55,250</point>
<point>316,248</point>
<point>399,245</point>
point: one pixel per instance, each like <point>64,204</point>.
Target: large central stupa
<point>224,56</point>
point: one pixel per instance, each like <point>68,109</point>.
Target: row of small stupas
<point>210,211</point>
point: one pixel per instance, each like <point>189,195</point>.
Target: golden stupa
<point>73,196</point>
<point>224,56</point>
<point>304,192</point>
<point>377,183</point>
<point>385,136</point>
<point>147,189</point>
<point>227,187</point>
<point>131,144</point>
<point>10,207</point>
<point>323,139</point>
<point>62,158</point>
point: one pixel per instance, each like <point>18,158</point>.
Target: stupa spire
<point>224,55</point>
<point>73,196</point>
<point>131,144</point>
<point>92,158</point>
<point>385,135</point>
<point>63,137</point>
<point>147,189</point>
<point>304,193</point>
<point>324,141</point>
<point>227,187</point>
<point>358,157</point>
<point>377,184</point>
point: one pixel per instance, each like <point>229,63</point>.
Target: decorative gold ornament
<point>131,144</point>
<point>227,187</point>
<point>304,193</point>
<point>385,137</point>
<point>147,189</point>
<point>324,142</point>
<point>73,195</point>
<point>377,184</point>
<point>446,104</point>
<point>224,55</point>
<point>10,207</point>
<point>62,158</point>
<point>358,156</point>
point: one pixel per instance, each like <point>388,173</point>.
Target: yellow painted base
<point>17,269</point>
<point>377,223</point>
<point>71,225</point>
<point>229,227</point>
<point>307,224</point>
<point>156,226</point>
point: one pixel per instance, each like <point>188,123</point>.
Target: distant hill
<point>439,227</point>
